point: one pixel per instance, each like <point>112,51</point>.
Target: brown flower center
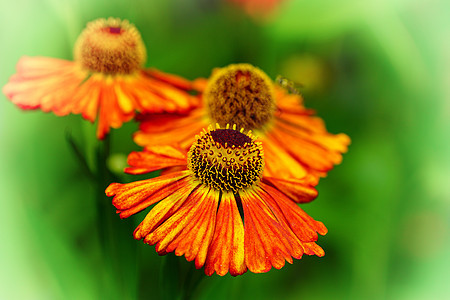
<point>110,46</point>
<point>226,159</point>
<point>240,94</point>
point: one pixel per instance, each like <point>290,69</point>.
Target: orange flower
<point>219,212</point>
<point>258,8</point>
<point>296,143</point>
<point>105,80</point>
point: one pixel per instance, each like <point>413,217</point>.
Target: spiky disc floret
<point>226,159</point>
<point>242,94</point>
<point>110,46</point>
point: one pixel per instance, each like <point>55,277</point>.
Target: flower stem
<point>118,257</point>
<point>118,247</point>
<point>177,282</point>
<point>193,278</point>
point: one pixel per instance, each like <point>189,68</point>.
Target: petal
<point>45,83</point>
<point>299,190</point>
<point>267,242</point>
<point>160,129</point>
<point>125,102</point>
<point>190,229</point>
<point>155,158</point>
<point>63,87</point>
<point>200,84</point>
<point>86,100</point>
<point>164,209</point>
<point>299,222</point>
<point>175,80</point>
<point>178,100</point>
<point>313,249</point>
<point>318,149</point>
<point>154,95</point>
<point>35,67</point>
<point>278,161</point>
<point>290,102</point>
<point>310,149</point>
<point>133,197</point>
<point>110,114</point>
<point>226,253</point>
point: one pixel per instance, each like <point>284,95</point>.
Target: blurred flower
<point>296,143</point>
<point>106,79</point>
<point>220,211</point>
<point>258,8</point>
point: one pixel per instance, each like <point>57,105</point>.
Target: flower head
<point>241,93</point>
<point>226,160</point>
<point>106,80</point>
<point>220,211</point>
<point>296,143</point>
<point>110,46</point>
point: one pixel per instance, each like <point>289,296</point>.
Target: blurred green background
<point>376,70</point>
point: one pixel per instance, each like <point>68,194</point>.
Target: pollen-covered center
<point>226,159</point>
<point>240,94</point>
<point>110,46</point>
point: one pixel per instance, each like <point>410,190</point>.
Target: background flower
<point>296,142</point>
<point>105,81</point>
<point>386,86</point>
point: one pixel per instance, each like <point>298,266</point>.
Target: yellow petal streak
<point>226,253</point>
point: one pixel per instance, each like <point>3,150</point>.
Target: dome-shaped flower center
<point>226,159</point>
<point>240,94</point>
<point>110,46</point>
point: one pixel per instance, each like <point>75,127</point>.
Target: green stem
<point>79,155</point>
<point>170,277</point>
<point>177,282</point>
<point>193,278</point>
<point>118,247</point>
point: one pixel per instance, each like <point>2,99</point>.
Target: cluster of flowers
<point>238,152</point>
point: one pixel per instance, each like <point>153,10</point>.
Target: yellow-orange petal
<point>313,150</point>
<point>313,249</point>
<point>86,100</point>
<point>169,129</point>
<point>312,129</point>
<point>295,227</point>
<point>65,87</point>
<point>173,169</point>
<point>292,103</point>
<point>110,115</point>
<point>126,102</point>
<point>200,84</point>
<point>133,197</point>
<point>164,209</point>
<point>175,222</point>
<point>171,79</point>
<point>226,252</point>
<point>155,96</point>
<point>44,83</point>
<point>155,158</point>
<point>267,242</point>
<point>307,153</point>
<point>299,190</point>
<point>196,237</point>
<point>189,230</point>
<point>299,222</point>
<point>279,161</point>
